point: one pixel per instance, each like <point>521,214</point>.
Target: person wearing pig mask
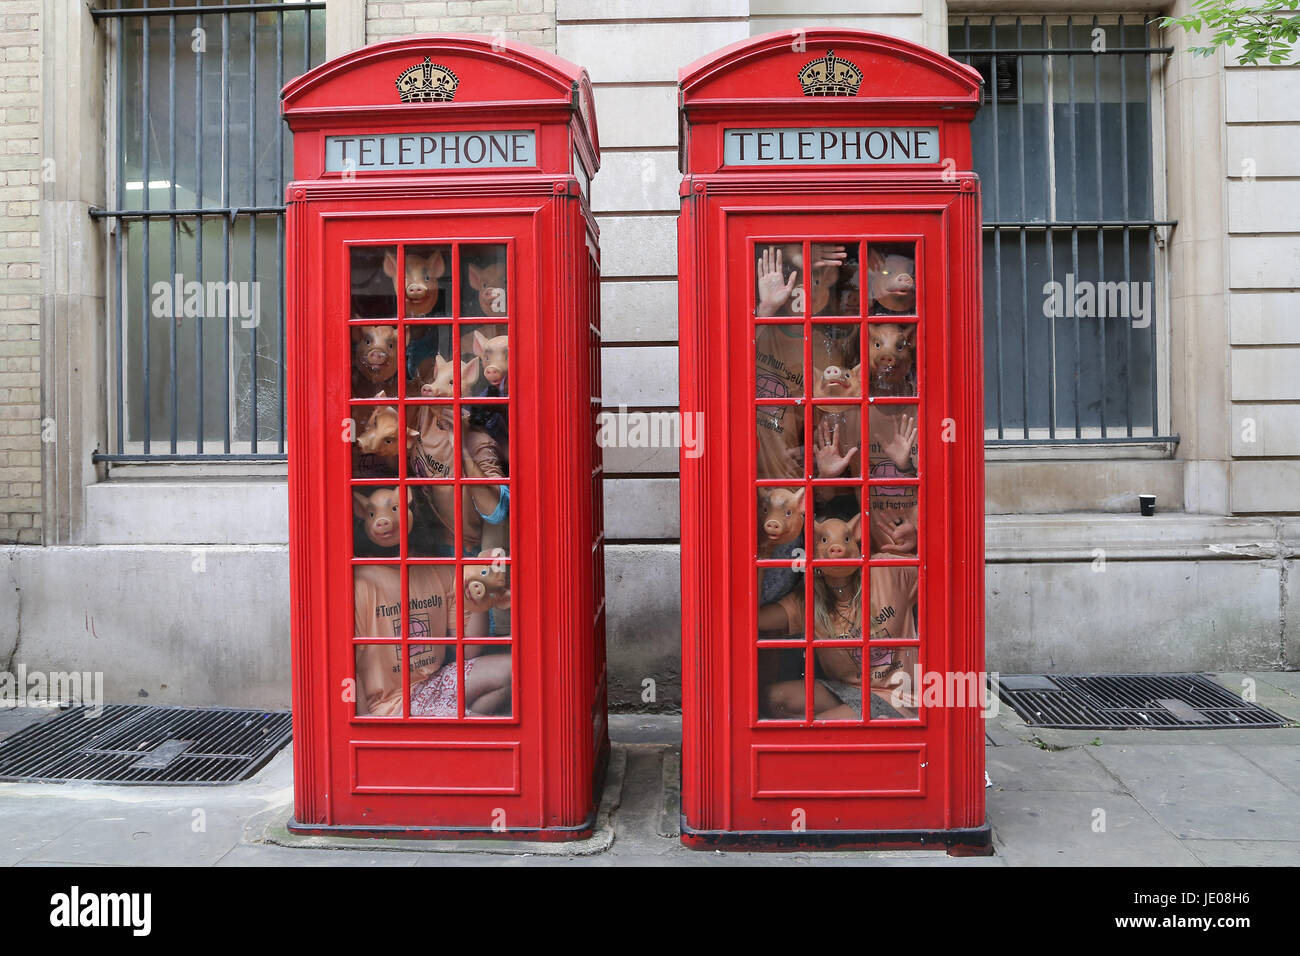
<point>420,289</point>
<point>485,296</point>
<point>379,441</point>
<point>374,360</point>
<point>378,511</point>
<point>780,534</point>
<point>433,378</point>
<point>494,353</point>
<point>891,280</point>
<point>837,615</point>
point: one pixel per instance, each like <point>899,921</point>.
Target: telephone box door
<point>838,320</point>
<point>438,648</point>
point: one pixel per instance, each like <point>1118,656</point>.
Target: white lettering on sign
<point>843,146</point>
<point>485,149</point>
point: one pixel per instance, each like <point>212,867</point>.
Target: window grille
<point>196,224</point>
<point>1066,150</point>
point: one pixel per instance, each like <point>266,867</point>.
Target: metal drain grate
<point>1129,702</point>
<point>149,745</point>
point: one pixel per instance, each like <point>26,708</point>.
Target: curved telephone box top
<point>439,82</point>
<point>825,97</point>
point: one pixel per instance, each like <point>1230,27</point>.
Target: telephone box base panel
<point>972,841</point>
<point>581,831</point>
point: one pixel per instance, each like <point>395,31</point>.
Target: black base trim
<point>970,841</point>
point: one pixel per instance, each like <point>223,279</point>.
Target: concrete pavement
<point>1091,798</point>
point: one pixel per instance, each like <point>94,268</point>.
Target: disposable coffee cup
<point>1148,503</point>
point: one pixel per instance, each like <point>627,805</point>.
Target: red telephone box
<point>445,484</point>
<point>832,529</point>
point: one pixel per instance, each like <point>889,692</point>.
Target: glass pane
<point>781,688</point>
<point>374,361</point>
<point>488,361</point>
<point>894,691</point>
<point>377,521</point>
<point>372,289</point>
<point>893,613</point>
<point>891,359</point>
<point>778,281</point>
<point>378,680</point>
<point>780,600</point>
<point>780,521</point>
<point>432,530</point>
<point>485,438</point>
<point>376,601</point>
<point>892,442</point>
<point>483,280</point>
<point>432,589</point>
<point>486,586</point>
<point>431,363</point>
<point>431,441</point>
<point>1097,290</point>
<point>837,429</point>
<point>838,695</point>
<point>891,275</point>
<point>378,441</point>
<point>426,284</point>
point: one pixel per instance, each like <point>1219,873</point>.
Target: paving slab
<point>1280,763</point>
<point>27,826</point>
<point>663,729</point>
<point>1037,828</point>
<point>1206,792</point>
<point>1025,767</point>
<point>267,855</point>
<point>145,836</point>
<point>1288,681</point>
<point>1245,852</point>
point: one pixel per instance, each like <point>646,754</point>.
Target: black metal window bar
<point>1064,147</point>
<point>196,226</point>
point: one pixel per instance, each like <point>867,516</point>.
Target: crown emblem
<point>830,76</point>
<point>426,83</point>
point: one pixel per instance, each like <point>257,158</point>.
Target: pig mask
<point>487,585</point>
<point>781,514</point>
<point>490,284</point>
<point>837,539</point>
<point>421,285</point>
<point>891,282</point>
<point>495,353</point>
<point>435,377</point>
<point>374,353</point>
<point>835,381</point>
<point>891,356</point>
<point>379,510</point>
<point>378,435</point>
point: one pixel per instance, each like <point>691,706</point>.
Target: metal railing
<point>1071,231</point>
<point>201,160</point>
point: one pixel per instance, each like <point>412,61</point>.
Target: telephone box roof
<point>513,76</point>
<point>768,67</point>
